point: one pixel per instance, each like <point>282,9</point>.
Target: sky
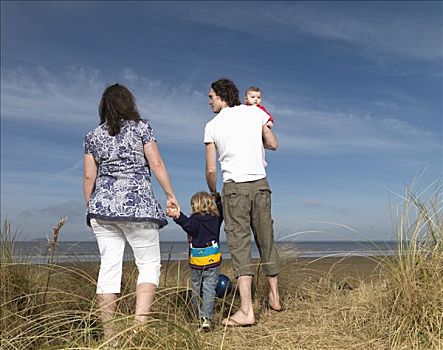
<point>355,89</point>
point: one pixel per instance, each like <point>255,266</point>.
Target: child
<point>253,98</point>
<point>203,228</point>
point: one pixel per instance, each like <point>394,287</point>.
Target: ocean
<point>38,251</point>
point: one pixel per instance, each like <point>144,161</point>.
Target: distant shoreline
<point>68,251</point>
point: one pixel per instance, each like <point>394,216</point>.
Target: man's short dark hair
<point>227,91</point>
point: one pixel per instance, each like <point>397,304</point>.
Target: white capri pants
<point>111,237</point>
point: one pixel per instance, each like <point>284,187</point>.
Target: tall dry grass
<point>416,283</point>
<point>329,304</point>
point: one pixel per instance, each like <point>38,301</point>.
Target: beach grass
<point>392,302</point>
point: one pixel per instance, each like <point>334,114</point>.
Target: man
<point>238,133</point>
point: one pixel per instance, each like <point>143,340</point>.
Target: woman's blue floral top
<point>123,188</point>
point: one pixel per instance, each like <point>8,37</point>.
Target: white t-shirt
<point>237,134</point>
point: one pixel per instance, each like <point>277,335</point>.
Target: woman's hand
<point>172,208</point>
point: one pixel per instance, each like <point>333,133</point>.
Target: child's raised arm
<point>189,225</point>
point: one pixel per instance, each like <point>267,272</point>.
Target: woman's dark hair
<point>117,104</point>
<point>227,91</point>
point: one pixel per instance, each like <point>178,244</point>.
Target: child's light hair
<point>204,203</point>
<point>252,88</point>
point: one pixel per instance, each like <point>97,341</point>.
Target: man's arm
<point>269,139</point>
<point>211,167</point>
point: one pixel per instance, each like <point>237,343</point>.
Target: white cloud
<point>320,132</point>
<point>129,75</point>
<point>410,30</point>
<point>71,97</point>
<point>374,27</point>
<point>41,95</point>
<point>179,113</point>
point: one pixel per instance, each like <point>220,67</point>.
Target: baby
<point>253,98</point>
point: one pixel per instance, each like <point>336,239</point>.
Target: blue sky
<point>355,89</point>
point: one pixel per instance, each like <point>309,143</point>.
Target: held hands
<point>172,208</point>
<point>173,213</point>
<point>216,195</point>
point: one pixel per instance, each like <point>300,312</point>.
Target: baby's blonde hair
<point>204,203</point>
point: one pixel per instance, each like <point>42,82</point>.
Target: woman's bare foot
<point>239,319</point>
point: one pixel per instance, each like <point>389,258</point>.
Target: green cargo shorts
<point>246,207</point>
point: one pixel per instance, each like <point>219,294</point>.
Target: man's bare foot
<point>239,319</point>
<point>274,302</point>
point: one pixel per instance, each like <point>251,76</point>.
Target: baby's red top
<point>271,119</point>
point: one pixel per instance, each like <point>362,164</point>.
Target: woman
<point>119,156</point>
